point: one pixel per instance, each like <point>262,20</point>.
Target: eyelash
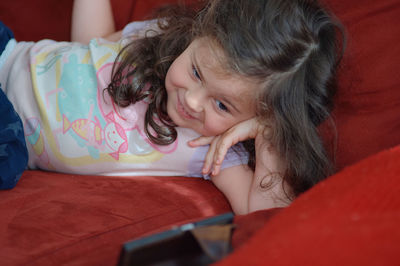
<point>196,73</point>
<point>221,106</point>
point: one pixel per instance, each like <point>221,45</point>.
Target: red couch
<point>352,218</point>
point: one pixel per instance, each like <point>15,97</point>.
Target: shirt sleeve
<point>139,28</point>
<point>236,155</point>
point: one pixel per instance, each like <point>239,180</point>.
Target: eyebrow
<point>237,100</point>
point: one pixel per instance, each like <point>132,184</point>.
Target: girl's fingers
<point>209,159</point>
<point>240,132</point>
<point>201,141</point>
<point>219,145</point>
<point>222,147</point>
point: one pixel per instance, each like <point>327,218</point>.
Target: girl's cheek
<point>215,127</point>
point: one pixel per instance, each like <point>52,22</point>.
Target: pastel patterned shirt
<point>71,124</point>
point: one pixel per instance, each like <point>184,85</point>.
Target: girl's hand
<point>220,144</point>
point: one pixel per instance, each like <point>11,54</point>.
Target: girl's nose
<point>195,100</point>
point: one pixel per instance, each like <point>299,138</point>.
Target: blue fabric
<point>5,35</point>
<point>13,151</point>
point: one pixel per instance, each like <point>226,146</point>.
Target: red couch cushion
<point>39,19</point>
<point>352,218</point>
<point>367,113</point>
<point>56,219</point>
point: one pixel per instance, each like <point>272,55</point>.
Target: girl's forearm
<point>90,19</point>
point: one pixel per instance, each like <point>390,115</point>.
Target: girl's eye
<point>196,73</point>
<point>221,106</point>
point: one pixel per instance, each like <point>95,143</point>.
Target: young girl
<point>233,71</point>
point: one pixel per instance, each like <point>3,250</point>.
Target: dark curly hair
<point>293,47</point>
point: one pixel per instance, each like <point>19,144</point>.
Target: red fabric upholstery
<point>41,19</point>
<point>57,219</point>
<point>352,218</point>
<point>36,20</point>
<point>368,102</point>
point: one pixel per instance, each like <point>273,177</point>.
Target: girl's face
<point>202,96</point>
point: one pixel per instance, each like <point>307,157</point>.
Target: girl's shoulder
<point>138,29</point>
